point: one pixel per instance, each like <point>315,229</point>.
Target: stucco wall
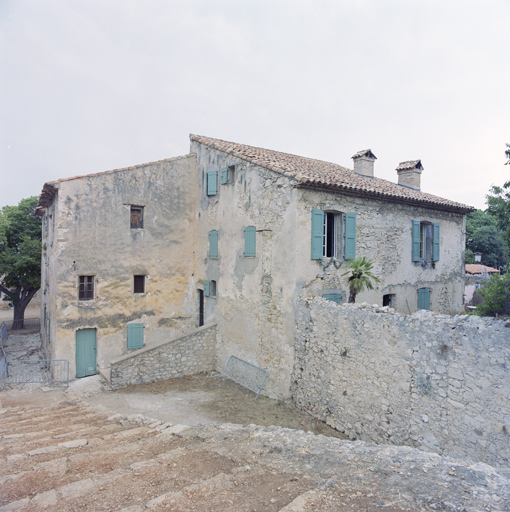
<point>253,307</point>
<point>383,235</point>
<point>430,381</point>
<point>92,236</point>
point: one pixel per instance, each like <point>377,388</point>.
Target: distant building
<point>476,275</point>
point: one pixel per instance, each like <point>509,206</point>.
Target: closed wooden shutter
<point>435,238</point>
<point>134,336</point>
<point>350,236</point>
<point>249,241</point>
<point>212,183</point>
<point>424,298</point>
<point>213,244</point>
<point>317,234</point>
<point>224,176</point>
<point>416,240</point>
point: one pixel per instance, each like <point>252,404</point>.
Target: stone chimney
<point>364,163</point>
<point>409,174</point>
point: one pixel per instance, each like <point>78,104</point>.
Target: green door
<point>85,352</point>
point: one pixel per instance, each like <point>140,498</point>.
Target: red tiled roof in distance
<point>476,268</point>
<point>312,173</point>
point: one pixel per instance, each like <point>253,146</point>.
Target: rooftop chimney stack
<point>364,163</point>
<point>409,174</point>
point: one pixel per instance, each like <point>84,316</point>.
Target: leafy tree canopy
<point>483,235</point>
<point>20,254</point>
<point>495,296</point>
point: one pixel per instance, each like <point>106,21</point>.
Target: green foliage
<point>507,154</point>
<point>483,235</point>
<point>20,253</point>
<point>495,295</point>
<point>360,277</point>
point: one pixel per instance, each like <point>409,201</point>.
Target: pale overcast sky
<point>92,85</point>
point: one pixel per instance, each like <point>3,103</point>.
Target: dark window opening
<point>333,235</point>
<point>139,284</point>
<point>426,238</point>
<point>212,290</point>
<point>136,217</point>
<point>201,308</point>
<point>86,288</point>
<point>389,300</point>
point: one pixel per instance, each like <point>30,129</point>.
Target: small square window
<point>86,288</point>
<point>389,300</point>
<point>139,284</point>
<point>136,217</point>
<point>213,289</point>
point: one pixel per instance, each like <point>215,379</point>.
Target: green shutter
<point>224,176</point>
<point>86,352</point>
<point>350,236</point>
<point>317,234</point>
<point>212,183</point>
<point>424,298</point>
<point>334,297</point>
<point>435,248</point>
<point>213,244</point>
<point>249,241</point>
<point>207,288</point>
<point>416,240</point>
<point>134,336</point>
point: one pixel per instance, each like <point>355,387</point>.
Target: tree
<point>20,255</point>
<point>360,277</point>
<point>507,154</point>
<point>495,296</point>
<point>483,235</point>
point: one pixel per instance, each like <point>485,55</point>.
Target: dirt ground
<point>208,399</point>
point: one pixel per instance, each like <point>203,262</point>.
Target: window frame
<point>132,209</point>
<point>82,291</point>
<point>425,245</point>
<point>135,276</point>
<point>333,235</point>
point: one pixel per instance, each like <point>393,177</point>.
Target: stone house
<point>235,236</point>
<point>476,275</point>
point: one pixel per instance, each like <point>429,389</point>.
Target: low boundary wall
<point>430,381</point>
<point>188,354</point>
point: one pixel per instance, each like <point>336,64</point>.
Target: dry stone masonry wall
<point>185,355</point>
<point>430,381</point>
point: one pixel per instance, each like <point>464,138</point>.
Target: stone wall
<point>184,355</point>
<point>430,381</point>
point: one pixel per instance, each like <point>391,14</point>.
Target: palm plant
<point>360,277</point>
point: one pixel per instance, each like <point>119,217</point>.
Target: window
<point>227,174</point>
<point>139,284</point>
<point>334,297</point>
<point>209,288</point>
<point>425,241</point>
<point>136,217</point>
<point>249,242</point>
<point>134,336</point>
<point>424,298</point>
<point>213,244</point>
<point>389,300</point>
<point>211,183</point>
<point>86,288</point>
<point>333,235</point>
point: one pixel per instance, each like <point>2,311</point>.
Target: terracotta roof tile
<point>325,175</point>
<point>475,268</point>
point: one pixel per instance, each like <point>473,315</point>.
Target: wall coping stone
<point>135,353</point>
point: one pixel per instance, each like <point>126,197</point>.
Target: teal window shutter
<point>317,234</point>
<point>424,298</point>
<point>213,244</point>
<point>207,288</point>
<point>435,238</point>
<point>249,241</point>
<point>350,236</point>
<point>212,183</point>
<point>416,240</point>
<point>334,297</point>
<point>134,336</point>
<point>224,176</point>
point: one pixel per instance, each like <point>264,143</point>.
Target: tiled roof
<point>364,152</point>
<point>325,175</point>
<point>475,268</point>
<point>411,164</point>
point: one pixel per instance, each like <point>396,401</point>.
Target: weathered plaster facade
<point>87,232</point>
<point>254,297</point>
